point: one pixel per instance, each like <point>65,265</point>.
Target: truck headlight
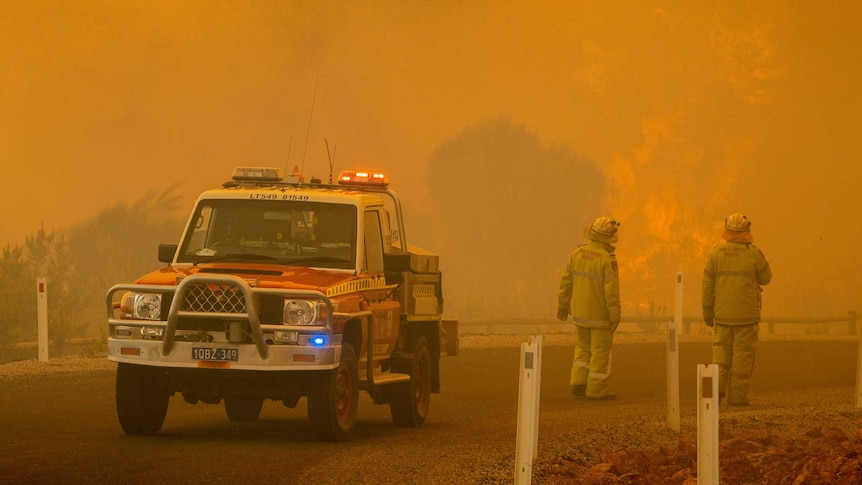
<point>299,312</point>
<point>143,306</point>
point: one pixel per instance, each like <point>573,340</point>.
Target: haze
<point>690,112</point>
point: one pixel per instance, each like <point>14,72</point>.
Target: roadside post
<point>526,437</point>
<point>859,372</point>
<point>537,340</point>
<point>672,350</point>
<point>42,316</point>
<point>707,424</point>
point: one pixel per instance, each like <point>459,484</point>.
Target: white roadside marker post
<point>859,373</point>
<point>673,359</point>
<point>42,317</point>
<point>707,424</point>
<point>525,437</point>
<point>537,340</point>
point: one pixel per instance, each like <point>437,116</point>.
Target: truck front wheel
<point>142,398</point>
<point>332,401</point>
<point>409,402</point>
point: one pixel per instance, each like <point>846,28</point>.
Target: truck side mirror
<point>166,252</point>
<point>394,264</point>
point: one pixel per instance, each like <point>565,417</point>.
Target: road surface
<point>61,427</point>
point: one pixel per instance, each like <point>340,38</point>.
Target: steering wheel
<point>225,244</point>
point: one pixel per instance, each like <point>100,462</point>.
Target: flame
<point>669,219</point>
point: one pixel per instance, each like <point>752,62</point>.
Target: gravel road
<point>60,425</point>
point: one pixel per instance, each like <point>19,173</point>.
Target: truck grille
<point>214,299</point>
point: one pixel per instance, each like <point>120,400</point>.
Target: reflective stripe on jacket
<point>732,278</point>
<point>590,286</point>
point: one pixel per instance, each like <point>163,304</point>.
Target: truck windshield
<point>297,233</point>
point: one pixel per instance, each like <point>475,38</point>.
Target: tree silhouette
<point>117,245</point>
<point>12,294</point>
<point>506,212</point>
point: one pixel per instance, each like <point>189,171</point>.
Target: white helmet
<point>603,229</point>
<point>737,223</point>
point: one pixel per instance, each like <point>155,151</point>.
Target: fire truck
<point>278,290</point>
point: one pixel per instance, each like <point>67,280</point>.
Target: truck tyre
<point>333,400</point>
<point>242,408</point>
<point>409,401</point>
<point>142,398</point>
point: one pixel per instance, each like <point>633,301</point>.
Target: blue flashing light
<point>317,340</point>
<point>257,174</point>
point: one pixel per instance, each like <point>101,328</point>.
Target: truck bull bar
<point>225,282</point>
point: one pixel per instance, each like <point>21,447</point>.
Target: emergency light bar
<point>374,179</point>
<point>256,174</point>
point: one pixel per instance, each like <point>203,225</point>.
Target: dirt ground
<point>759,456</point>
<point>815,439</point>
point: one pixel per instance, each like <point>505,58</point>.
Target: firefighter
<point>731,302</point>
<point>590,291</point>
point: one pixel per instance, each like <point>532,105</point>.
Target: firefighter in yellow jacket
<point>732,282</point>
<point>590,291</point>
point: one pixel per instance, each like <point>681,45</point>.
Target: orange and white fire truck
<point>281,289</point>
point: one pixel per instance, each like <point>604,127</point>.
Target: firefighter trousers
<point>591,365</point>
<point>733,350</point>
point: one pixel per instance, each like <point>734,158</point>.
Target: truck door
<point>373,242</point>
<point>385,309</point>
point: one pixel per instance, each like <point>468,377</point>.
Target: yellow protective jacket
<point>590,287</point>
<point>732,278</point>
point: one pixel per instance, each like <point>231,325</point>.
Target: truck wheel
<point>332,401</point>
<point>142,398</point>
<point>409,402</point>
<point>242,408</point>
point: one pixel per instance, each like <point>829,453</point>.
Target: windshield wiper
<point>318,259</point>
<point>239,257</point>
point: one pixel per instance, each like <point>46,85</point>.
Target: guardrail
<point>837,325</point>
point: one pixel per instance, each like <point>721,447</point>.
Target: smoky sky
<point>690,112</point>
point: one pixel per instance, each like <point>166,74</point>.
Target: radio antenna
<point>308,132</point>
<point>287,162</point>
<point>331,158</point>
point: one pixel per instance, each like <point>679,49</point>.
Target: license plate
<point>215,354</point>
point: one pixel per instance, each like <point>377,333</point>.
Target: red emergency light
<point>374,179</point>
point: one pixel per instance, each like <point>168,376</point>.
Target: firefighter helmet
<point>603,229</point>
<point>737,223</point>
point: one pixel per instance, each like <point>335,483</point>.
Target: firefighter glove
<point>562,315</point>
<point>709,322</point>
